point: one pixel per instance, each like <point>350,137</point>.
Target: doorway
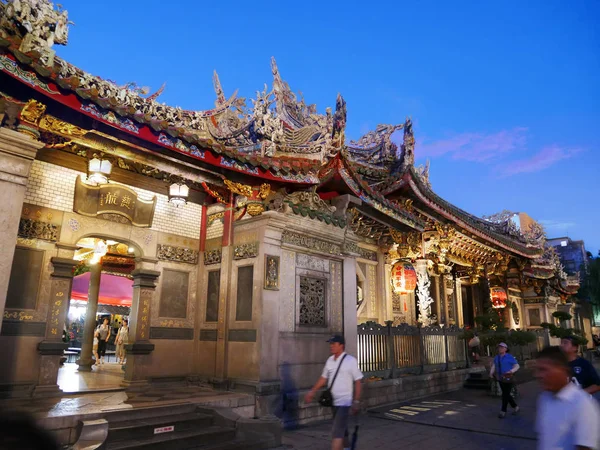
<point>116,261</point>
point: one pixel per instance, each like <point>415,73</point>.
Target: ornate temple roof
<point>275,136</point>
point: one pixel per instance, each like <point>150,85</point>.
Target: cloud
<point>545,158</point>
<point>556,225</point>
<point>477,147</point>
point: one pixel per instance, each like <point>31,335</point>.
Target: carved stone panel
<point>36,229</point>
<point>312,301</point>
<point>25,278</point>
<point>212,296</point>
<point>177,254</point>
<point>289,237</point>
<point>271,272</point>
<point>243,251</point>
<point>212,257</point>
<point>312,262</point>
<point>174,294</point>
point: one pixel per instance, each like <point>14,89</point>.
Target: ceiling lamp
<point>178,194</point>
<point>99,170</point>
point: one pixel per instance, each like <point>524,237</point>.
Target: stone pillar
<point>224,291</point>
<point>85,360</point>
<point>349,306</point>
<point>459,303</point>
<point>423,293</point>
<point>52,347</point>
<point>140,347</point>
<point>17,152</point>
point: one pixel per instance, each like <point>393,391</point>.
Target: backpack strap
<point>337,371</point>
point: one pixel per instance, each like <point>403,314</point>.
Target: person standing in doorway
<point>503,368</point>
<point>567,417</point>
<point>122,340</point>
<point>103,336</point>
<point>343,380</point>
<point>584,374</point>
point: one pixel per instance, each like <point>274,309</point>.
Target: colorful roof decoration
<point>276,137</point>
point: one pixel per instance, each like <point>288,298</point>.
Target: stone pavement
<point>464,419</point>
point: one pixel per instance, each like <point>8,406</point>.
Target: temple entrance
<point>96,326</point>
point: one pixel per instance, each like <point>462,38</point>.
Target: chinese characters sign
<point>113,199</point>
<point>404,277</point>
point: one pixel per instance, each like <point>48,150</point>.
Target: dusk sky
<point>504,96</point>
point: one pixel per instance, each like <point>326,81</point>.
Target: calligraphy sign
<point>113,199</point>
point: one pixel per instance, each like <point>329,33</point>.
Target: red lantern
<point>499,297</point>
<point>404,277</point>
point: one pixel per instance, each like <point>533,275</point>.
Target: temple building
<point>235,239</point>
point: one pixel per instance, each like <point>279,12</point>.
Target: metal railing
<point>389,351</point>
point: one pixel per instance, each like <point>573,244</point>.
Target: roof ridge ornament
<point>38,24</point>
<point>407,155</point>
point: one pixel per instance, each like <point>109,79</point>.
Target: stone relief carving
<point>36,229</point>
<point>177,254</point>
<point>312,301</point>
<point>247,250</point>
<point>212,257</point>
<point>272,272</point>
<point>312,262</point>
<point>289,237</point>
<point>423,295</point>
<point>311,200</point>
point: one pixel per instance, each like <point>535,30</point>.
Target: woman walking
<point>122,340</point>
<point>103,335</point>
<point>503,368</point>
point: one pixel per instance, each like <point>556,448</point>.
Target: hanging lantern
<point>178,194</point>
<point>99,170</point>
<point>498,297</point>
<point>404,277</point>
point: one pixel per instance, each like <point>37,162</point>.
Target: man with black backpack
<point>343,380</point>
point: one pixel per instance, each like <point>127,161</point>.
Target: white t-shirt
<point>343,388</point>
<point>567,419</point>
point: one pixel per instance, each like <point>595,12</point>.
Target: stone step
<point>179,440</point>
<point>142,428</point>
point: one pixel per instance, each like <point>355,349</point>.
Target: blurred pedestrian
<point>503,368</point>
<point>567,417</point>
<point>343,380</point>
<point>583,373</point>
<point>474,344</point>
<point>287,408</point>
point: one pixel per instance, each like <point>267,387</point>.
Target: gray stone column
<point>52,347</point>
<point>17,152</point>
<point>349,296</point>
<point>140,347</point>
<point>85,360</point>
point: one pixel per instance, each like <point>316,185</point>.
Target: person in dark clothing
<point>19,431</point>
<point>503,368</point>
<point>584,373</point>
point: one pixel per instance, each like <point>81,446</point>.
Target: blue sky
<point>504,95</point>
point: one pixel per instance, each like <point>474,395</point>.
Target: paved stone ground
<point>464,419</point>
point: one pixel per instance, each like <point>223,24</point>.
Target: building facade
<point>250,233</point>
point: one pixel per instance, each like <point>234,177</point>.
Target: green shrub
<point>562,316</point>
<point>520,337</point>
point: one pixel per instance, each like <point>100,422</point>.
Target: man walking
<point>584,373</point>
<point>567,417</point>
<point>343,379</point>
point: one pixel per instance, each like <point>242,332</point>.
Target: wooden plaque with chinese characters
<point>113,199</point>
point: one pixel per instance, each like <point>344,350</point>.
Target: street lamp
<point>178,194</point>
<point>99,170</point>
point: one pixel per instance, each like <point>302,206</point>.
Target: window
<point>245,288</point>
<point>563,243</point>
<point>212,296</point>
<point>312,301</point>
<point>535,319</point>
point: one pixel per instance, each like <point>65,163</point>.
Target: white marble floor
<point>105,376</point>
